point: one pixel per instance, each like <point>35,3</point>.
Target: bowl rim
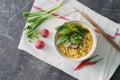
<point>93,45</point>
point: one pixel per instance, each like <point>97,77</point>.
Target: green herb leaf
<point>60,28</point>
<point>76,32</point>
<point>65,31</point>
<point>82,31</point>
<point>61,39</point>
<point>70,25</point>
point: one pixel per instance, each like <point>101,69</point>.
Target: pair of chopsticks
<point>101,31</point>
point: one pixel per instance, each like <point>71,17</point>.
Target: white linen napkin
<point>103,70</point>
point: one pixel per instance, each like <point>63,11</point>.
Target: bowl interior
<point>93,45</point>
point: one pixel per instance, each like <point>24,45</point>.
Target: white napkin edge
<point>111,55</point>
<point>114,66</point>
<point>116,59</point>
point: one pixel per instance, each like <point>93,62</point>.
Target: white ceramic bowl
<point>92,49</point>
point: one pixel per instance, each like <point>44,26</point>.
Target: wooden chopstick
<point>101,31</point>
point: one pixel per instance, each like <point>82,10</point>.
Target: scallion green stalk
<point>34,19</point>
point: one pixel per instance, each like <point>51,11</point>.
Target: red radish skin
<point>45,33</point>
<point>74,46</point>
<point>67,44</point>
<point>39,44</point>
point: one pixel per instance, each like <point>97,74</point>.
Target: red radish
<point>44,33</point>
<point>74,46</point>
<point>39,44</point>
<point>67,44</point>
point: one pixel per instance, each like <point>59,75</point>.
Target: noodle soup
<point>73,40</point>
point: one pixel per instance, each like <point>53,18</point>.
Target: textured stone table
<point>19,65</point>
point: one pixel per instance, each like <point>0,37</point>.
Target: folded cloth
<point>100,71</point>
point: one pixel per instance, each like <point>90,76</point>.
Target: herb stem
<point>55,8</point>
<point>34,19</point>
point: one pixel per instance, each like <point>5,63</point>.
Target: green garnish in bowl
<point>74,40</point>
<point>72,32</point>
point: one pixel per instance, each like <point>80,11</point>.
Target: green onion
<point>34,19</point>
